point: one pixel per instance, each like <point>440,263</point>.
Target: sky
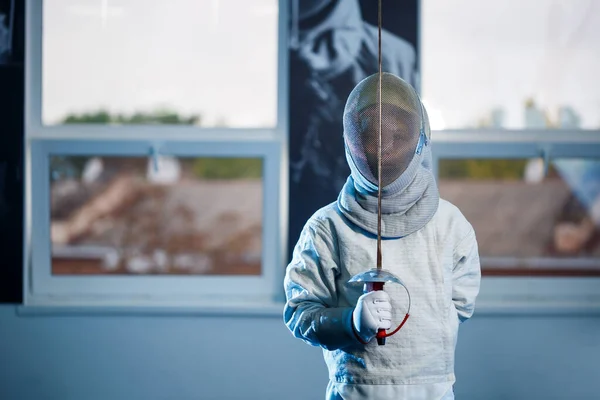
<point>481,54</point>
<point>213,57</point>
<point>218,58</point>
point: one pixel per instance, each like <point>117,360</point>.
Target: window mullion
<point>153,132</point>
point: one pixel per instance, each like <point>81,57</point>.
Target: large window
<point>155,134</point>
<point>156,143</point>
<point>515,108</point>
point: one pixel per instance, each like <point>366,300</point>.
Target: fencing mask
<point>404,127</point>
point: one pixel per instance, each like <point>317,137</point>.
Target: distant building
<point>568,118</point>
<point>497,118</point>
<point>534,117</point>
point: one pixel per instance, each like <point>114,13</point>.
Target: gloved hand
<point>373,311</point>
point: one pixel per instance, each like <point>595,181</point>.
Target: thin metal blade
<point>379,256</point>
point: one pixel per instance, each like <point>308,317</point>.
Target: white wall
<point>129,356</point>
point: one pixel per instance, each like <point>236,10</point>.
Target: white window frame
<point>514,293</point>
<point>41,288</point>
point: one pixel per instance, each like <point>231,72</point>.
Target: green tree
<point>482,169</point>
<point>157,117</point>
<point>228,168</point>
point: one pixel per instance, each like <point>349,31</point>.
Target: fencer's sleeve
<point>466,276</point>
<point>311,311</point>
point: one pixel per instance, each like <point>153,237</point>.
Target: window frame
<point>43,289</point>
<point>455,143</point>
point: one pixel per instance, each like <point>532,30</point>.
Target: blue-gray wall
<point>181,357</point>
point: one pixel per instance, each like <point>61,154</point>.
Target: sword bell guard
<point>375,275</point>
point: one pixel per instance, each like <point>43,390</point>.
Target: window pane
<point>123,216</point>
<point>211,63</point>
<point>525,220</point>
<point>511,64</point>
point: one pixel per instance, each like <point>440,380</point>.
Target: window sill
<point>537,308</point>
<point>261,310</point>
<point>275,310</point>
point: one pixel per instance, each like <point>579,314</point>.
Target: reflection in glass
<point>487,66</point>
<point>523,218</point>
<point>114,215</point>
<point>202,62</point>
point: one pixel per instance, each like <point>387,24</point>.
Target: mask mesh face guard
<point>401,126</point>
